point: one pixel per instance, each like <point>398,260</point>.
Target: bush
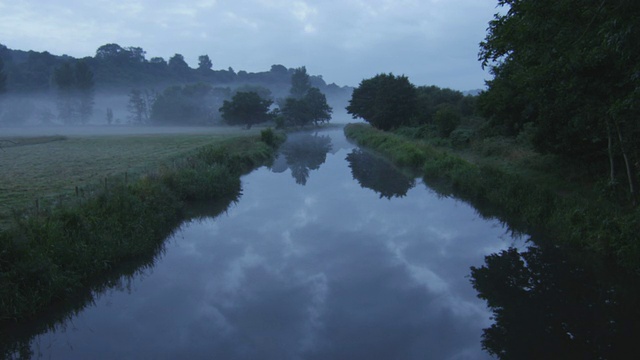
<point>446,119</point>
<point>268,136</point>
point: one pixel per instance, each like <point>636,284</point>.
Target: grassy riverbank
<point>50,251</point>
<point>45,167</point>
<point>523,196</point>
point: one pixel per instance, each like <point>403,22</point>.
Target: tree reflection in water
<point>16,339</point>
<point>552,303</point>
<point>377,174</point>
<point>304,152</point>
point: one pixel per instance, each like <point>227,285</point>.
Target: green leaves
<point>246,108</point>
<point>385,101</point>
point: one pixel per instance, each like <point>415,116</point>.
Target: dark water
<point>331,253</point>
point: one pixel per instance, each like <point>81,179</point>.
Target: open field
<point>41,163</point>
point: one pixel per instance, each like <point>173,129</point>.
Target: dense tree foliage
<point>178,64</point>
<point>116,69</point>
<point>75,92</point>
<point>305,104</point>
<point>185,105</point>
<point>571,69</point>
<point>319,110</point>
<point>311,108</point>
<point>204,63</point>
<point>246,108</point>
<point>137,107</point>
<point>431,98</point>
<point>121,68</point>
<point>3,78</point>
<point>300,83</point>
<point>385,101</point>
<point>84,91</point>
<point>548,303</point>
<point>63,77</point>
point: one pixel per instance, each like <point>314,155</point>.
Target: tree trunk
<point>612,171</point>
<point>629,168</point>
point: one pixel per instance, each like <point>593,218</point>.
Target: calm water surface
<point>310,263</point>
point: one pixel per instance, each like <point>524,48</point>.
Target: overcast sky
<point>433,42</point>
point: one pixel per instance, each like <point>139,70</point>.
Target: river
<point>329,253</point>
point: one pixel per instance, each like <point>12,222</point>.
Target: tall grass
<point>50,253</point>
<point>525,204</point>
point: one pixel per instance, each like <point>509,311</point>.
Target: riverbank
<point>527,205</point>
<point>50,252</point>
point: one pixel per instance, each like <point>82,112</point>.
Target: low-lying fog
<point>36,115</point>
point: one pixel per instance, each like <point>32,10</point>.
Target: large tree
<point>300,83</point>
<point>182,105</point>
<point>137,107</point>
<point>204,63</point>
<point>246,108</point>
<point>319,110</point>
<point>385,101</point>
<point>177,63</point>
<point>64,79</point>
<point>570,68</point>
<point>84,88</point>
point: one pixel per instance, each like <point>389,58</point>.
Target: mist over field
<point>119,86</point>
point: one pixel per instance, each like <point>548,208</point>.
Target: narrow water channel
<point>330,253</point>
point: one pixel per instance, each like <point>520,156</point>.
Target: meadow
<point>41,165</point>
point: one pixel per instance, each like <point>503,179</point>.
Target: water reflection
<point>551,302</point>
<point>322,271</point>
<point>302,153</point>
<point>378,174</point>
<point>17,340</point>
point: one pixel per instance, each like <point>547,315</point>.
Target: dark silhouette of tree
<point>84,85</point>
<point>319,110</point>
<point>300,83</point>
<point>204,63</point>
<point>137,107</point>
<point>109,116</point>
<point>379,175</point>
<point>246,108</point>
<point>552,302</point>
<point>305,104</point>
<point>570,69</point>
<point>183,105</point>
<point>385,101</point>
<point>304,153</point>
<point>3,78</point>
<point>431,98</point>
<point>446,120</point>
<point>177,63</point>
<point>64,80</point>
<point>295,112</point>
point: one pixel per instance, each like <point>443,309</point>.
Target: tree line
<point>566,76</point>
<point>389,102</point>
<point>126,70</point>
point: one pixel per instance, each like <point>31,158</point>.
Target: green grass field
<point>46,165</point>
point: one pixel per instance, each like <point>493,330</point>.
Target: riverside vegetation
<point>542,203</point>
<point>50,253</point>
